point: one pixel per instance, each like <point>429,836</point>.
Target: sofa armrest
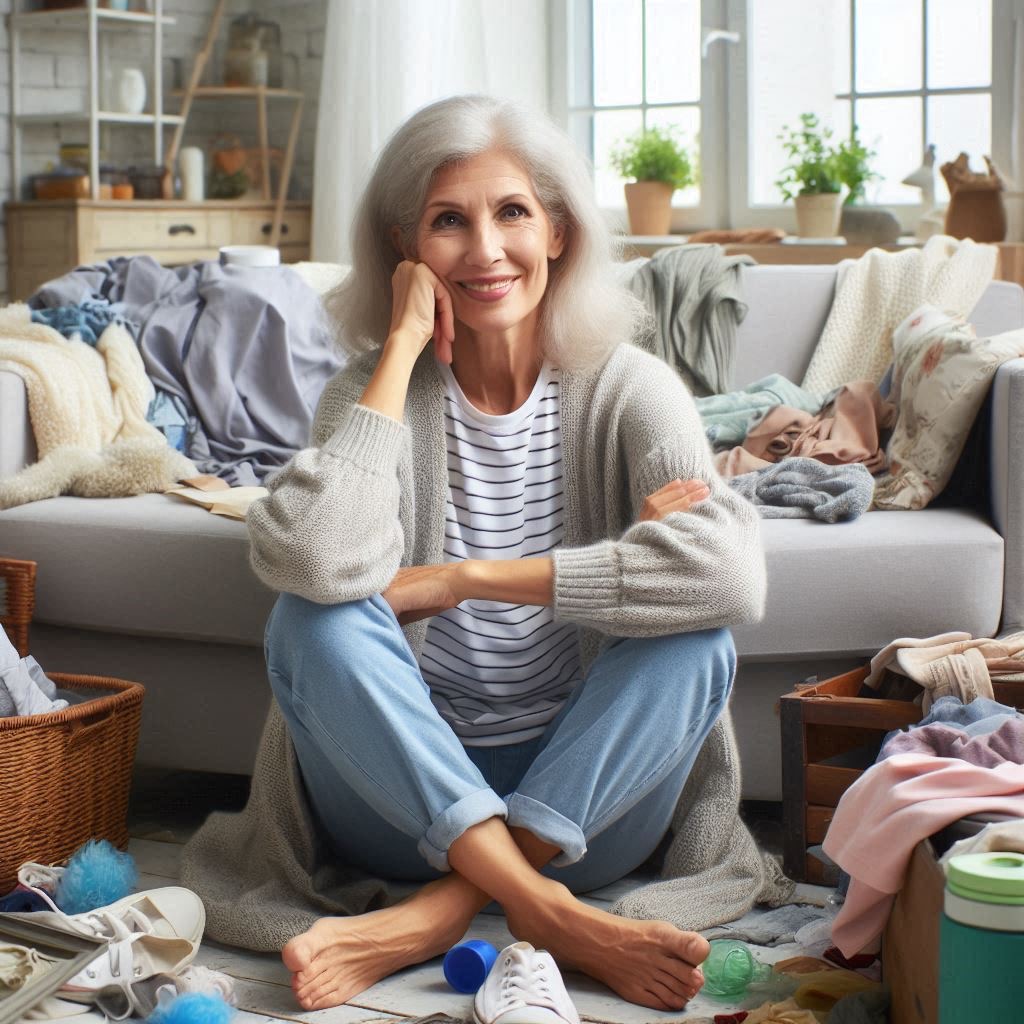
<point>1007,476</point>
<point>17,443</point>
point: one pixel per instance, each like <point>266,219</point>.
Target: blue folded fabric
<point>87,319</point>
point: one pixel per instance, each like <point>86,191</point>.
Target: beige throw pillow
<point>941,374</point>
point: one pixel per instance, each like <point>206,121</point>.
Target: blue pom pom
<point>96,876</point>
<point>192,1008</point>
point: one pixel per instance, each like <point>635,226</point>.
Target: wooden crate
<point>830,737</point>
<point>821,724</point>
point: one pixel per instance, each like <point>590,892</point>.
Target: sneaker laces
<point>42,879</point>
<point>526,986</point>
<point>121,931</point>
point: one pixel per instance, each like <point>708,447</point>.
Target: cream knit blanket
<point>88,412</point>
<point>878,291</point>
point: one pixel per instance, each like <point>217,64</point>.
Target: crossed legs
<point>396,792</point>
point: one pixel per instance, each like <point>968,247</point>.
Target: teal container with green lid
<point>981,939</point>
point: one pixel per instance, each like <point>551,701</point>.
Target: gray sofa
<point>151,589</point>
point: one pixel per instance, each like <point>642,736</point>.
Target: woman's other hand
<point>675,496</point>
<point>421,308</point>
<point>420,591</point>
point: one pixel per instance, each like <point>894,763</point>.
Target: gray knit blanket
<point>799,488</point>
<point>693,293</point>
<point>265,875</point>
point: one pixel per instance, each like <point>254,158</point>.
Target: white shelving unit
<point>93,21</point>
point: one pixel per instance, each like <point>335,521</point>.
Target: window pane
<point>686,121</point>
<point>611,127</point>
<point>791,47</point>
<point>892,127</point>
<point>959,124</point>
<point>841,46</point>
<point>841,112</point>
<point>673,51</point>
<point>888,45</point>
<point>618,52</point>
<point>959,43</point>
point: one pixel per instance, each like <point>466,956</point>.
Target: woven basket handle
<point>80,733</point>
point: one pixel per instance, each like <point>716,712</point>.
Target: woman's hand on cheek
<point>422,308</point>
<point>421,591</point>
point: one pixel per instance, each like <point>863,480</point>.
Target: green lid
<point>989,877</point>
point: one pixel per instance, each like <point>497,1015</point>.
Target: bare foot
<point>651,963</point>
<point>339,957</point>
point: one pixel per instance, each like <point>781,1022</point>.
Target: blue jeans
<point>393,787</point>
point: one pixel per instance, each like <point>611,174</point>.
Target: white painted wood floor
<point>264,993</point>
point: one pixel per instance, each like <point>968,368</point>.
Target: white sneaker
<point>524,987</point>
<point>157,931</point>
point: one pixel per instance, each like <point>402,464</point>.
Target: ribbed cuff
<point>549,825</point>
<point>369,439</point>
<point>587,579</point>
<point>450,824</point>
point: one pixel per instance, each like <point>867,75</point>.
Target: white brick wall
<point>54,77</point>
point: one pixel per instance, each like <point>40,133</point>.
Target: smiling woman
<point>507,567</point>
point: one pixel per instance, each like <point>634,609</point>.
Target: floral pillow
<point>941,373</point>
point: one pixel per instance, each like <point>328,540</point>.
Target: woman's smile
<point>488,289</point>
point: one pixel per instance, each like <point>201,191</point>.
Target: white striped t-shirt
<point>497,672</point>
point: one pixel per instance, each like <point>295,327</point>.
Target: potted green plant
<point>811,178</point>
<point>660,163</point>
<point>861,224</point>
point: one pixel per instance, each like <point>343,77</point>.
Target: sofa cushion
<point>941,375</point>
<point>850,588</point>
<point>151,564</point>
<point>837,588</point>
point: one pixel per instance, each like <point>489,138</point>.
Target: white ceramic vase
<point>130,91</point>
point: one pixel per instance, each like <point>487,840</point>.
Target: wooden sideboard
<point>46,239</point>
<point>1009,268</point>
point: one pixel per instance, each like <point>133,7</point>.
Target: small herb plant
<point>853,161</point>
<point>814,165</point>
<point>655,154</point>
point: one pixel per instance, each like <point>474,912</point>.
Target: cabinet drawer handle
<point>181,229</point>
<point>267,228</point>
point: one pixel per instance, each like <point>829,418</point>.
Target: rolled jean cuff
<point>451,823</point>
<point>547,824</point>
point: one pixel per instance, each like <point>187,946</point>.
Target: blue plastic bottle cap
<point>468,964</point>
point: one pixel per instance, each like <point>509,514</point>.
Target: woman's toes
<point>297,954</point>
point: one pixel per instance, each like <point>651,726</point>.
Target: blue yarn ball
<point>96,876</point>
<point>192,1008</point>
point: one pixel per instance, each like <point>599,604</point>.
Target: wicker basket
<point>65,776</point>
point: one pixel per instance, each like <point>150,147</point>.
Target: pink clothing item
<point>887,812</point>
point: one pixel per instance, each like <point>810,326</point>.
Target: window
<point>908,73</point>
<point>639,65</point>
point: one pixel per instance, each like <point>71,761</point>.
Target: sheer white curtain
<point>384,59</point>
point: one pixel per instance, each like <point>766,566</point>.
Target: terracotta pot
<point>650,207</point>
<point>817,216</point>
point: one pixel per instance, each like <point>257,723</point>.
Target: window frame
<point>725,171</point>
<point>571,75</point>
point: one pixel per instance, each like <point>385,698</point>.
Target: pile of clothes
<point>966,756</point>
<point>140,375</point>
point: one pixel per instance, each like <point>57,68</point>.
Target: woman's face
<point>484,233</point>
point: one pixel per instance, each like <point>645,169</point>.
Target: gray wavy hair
<point>586,311</point>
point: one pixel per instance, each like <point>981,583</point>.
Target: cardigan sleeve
<point>329,529</point>
<point>691,570</point>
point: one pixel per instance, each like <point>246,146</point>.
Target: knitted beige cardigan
<point>344,515</point>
